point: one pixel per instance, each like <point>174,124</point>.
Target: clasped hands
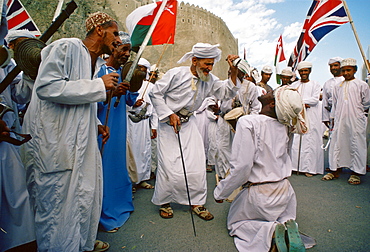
<point>111,83</point>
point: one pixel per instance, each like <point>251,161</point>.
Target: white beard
<point>201,75</point>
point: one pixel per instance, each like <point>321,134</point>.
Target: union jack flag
<point>322,17</point>
<point>18,18</point>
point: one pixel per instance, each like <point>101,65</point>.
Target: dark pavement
<point>333,212</point>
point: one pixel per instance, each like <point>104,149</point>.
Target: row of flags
<point>322,17</point>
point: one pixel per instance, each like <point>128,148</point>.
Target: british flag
<point>18,18</point>
<point>322,17</point>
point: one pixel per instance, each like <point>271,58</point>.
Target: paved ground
<point>335,213</point>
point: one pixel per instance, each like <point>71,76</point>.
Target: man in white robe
<point>247,96</point>
<point>351,100</point>
<point>140,132</point>
<point>307,154</point>
<point>266,73</point>
<point>261,164</point>
<point>63,162</point>
<point>327,93</point>
<point>180,92</point>
<point>204,116</point>
<point>17,220</point>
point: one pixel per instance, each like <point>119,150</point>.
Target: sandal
<point>329,176</point>
<point>280,238</point>
<point>295,240</point>
<point>100,246</point>
<point>354,180</point>
<point>146,185</point>
<point>203,213</point>
<point>165,211</point>
<point>308,175</point>
<point>114,230</point>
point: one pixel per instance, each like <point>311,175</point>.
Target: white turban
<point>203,51</point>
<point>125,37</point>
<point>287,72</point>
<point>348,62</point>
<point>14,34</point>
<point>267,69</point>
<point>290,109</point>
<point>145,63</point>
<point>304,64</point>
<point>207,102</point>
<point>335,59</point>
<point>242,66</point>
<point>255,75</point>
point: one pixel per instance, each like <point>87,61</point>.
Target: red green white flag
<point>279,57</point>
<point>139,21</point>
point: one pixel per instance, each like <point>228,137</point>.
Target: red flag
<point>18,18</point>
<point>139,21</point>
<point>279,54</point>
<point>322,17</point>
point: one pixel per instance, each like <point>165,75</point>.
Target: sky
<point>257,24</point>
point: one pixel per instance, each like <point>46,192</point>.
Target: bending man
<point>261,164</point>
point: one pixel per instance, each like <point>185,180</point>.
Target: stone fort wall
<point>194,25</point>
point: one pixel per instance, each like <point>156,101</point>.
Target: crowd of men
<point>65,183</point>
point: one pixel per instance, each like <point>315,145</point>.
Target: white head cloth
<point>125,37</point>
<point>290,109</point>
<point>207,102</point>
<point>304,64</point>
<point>335,59</point>
<point>14,34</point>
<point>203,51</point>
<point>242,66</point>
<point>255,75</point>
<point>348,62</point>
<point>144,62</point>
<point>267,69</point>
<point>287,72</point>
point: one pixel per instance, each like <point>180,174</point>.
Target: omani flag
<point>139,21</point>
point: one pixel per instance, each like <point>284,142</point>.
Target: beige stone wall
<point>194,25</point>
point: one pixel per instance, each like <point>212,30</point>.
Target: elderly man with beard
<point>63,163</point>
<point>117,193</point>
<point>307,155</point>
<point>175,97</point>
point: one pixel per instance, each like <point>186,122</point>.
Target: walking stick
<point>110,95</point>
<point>186,180</point>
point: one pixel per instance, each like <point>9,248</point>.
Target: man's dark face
<point>110,38</point>
<point>267,98</point>
<point>305,74</point>
<point>348,72</point>
<point>240,75</point>
<point>285,79</point>
<point>335,69</point>
<point>122,53</point>
<point>265,77</point>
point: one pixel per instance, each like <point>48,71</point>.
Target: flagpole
<point>56,14</point>
<point>159,60</point>
<point>1,9</point>
<point>143,45</point>
<point>356,36</point>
